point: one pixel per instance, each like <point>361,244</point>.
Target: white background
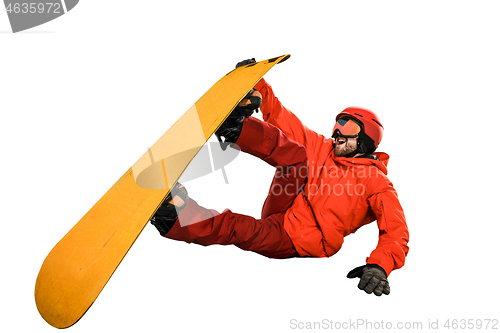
<point>83,96</point>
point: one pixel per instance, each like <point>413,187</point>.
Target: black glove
<point>245,62</point>
<point>372,279</point>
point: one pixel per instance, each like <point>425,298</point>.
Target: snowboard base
<point>79,266</point>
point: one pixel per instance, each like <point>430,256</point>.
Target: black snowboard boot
<point>167,214</point>
<point>230,129</point>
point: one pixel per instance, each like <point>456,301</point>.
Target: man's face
<point>345,146</point>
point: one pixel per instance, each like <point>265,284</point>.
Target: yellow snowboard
<point>80,265</point>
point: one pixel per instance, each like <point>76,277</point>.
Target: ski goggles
<point>346,128</point>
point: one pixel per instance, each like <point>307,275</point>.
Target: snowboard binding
<point>231,128</point>
<point>167,214</point>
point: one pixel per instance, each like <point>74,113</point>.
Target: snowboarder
<point>323,190</point>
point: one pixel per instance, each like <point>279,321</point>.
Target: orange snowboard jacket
<point>343,194</point>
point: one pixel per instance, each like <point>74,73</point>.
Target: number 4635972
<point>471,324</point>
<point>33,8</point>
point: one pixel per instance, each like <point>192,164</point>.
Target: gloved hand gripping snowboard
<point>231,128</point>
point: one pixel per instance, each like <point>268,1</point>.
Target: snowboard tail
<point>79,266</point>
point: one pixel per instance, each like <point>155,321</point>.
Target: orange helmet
<point>370,124</point>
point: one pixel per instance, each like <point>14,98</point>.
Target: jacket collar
<point>380,161</point>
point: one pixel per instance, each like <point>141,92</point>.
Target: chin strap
<point>361,147</point>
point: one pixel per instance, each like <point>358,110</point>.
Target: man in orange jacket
<point>324,189</point>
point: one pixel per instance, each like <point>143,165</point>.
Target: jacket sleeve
<point>392,246</point>
<point>275,113</point>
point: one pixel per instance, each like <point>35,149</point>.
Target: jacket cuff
<point>386,265</point>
